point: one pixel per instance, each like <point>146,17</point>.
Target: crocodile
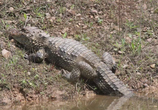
<point>75,58</point>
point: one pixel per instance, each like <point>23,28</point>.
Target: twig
<point>26,21</point>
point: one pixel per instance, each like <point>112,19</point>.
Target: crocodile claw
<point>65,74</point>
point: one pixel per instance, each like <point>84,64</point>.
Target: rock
<point>11,9</point>
<point>48,16</point>
<point>12,40</point>
<point>48,0</point>
<point>150,39</point>
<point>152,66</point>
<point>77,15</point>
<point>29,73</point>
<point>138,73</point>
<point>145,85</point>
<point>6,54</point>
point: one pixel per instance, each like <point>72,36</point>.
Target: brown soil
<point>126,29</point>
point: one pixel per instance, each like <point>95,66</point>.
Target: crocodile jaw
<point>18,36</point>
<point>23,38</point>
<point>14,32</point>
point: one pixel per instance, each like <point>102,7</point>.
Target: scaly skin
<point>71,56</point>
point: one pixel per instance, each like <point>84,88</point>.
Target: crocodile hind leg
<point>87,70</point>
<point>109,61</point>
<point>82,68</point>
<point>72,76</point>
<point>37,57</point>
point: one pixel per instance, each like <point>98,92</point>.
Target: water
<point>95,103</point>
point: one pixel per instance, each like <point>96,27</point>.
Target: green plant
<point>20,53</point>
<point>156,11</point>
<point>11,62</point>
<point>25,16</point>
<point>59,20</point>
<point>71,19</point>
<point>84,37</point>
<point>150,32</point>
<point>77,37</point>
<point>72,7</point>
<point>130,25</point>
<point>117,46</point>
<point>39,14</point>
<point>31,84</point>
<point>100,21</point>
<point>95,48</point>
<point>23,83</point>
<point>64,35</point>
<point>123,43</point>
<point>62,10</point>
<point>136,45</point>
<point>90,24</point>
<point>5,25</point>
<point>138,33</point>
<point>36,76</point>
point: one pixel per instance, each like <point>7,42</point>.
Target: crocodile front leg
<point>109,61</point>
<point>81,69</point>
<point>37,57</point>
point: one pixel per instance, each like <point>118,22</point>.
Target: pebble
<point>11,9</point>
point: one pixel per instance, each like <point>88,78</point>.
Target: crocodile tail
<point>109,83</point>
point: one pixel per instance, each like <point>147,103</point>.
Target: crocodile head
<point>28,36</point>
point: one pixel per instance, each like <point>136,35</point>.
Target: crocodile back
<point>68,52</point>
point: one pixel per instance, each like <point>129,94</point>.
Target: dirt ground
<point>127,29</point>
